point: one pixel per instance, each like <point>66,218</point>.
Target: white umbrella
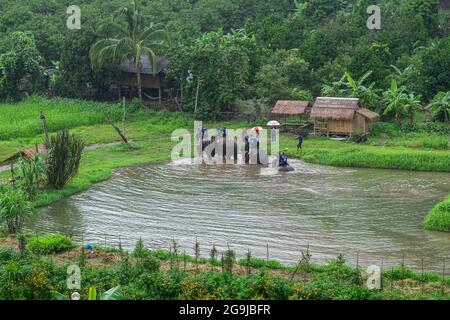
<point>257,129</point>
<point>273,123</point>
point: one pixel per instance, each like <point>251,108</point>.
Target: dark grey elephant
<point>221,148</point>
<point>253,151</point>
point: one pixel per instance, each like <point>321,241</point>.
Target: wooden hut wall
<point>359,124</point>
<point>340,126</point>
<point>130,80</point>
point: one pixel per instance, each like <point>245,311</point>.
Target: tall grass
<point>439,217</point>
<point>372,157</point>
<point>23,119</point>
<point>428,135</point>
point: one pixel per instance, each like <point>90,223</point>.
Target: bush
<point>15,208</point>
<point>323,288</point>
<point>140,251</point>
<point>53,243</point>
<point>148,264</point>
<point>31,174</point>
<point>30,279</point>
<point>64,158</point>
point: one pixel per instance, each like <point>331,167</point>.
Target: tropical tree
<point>15,209</point>
<point>20,67</point>
<point>213,71</point>
<point>440,105</point>
<point>401,76</point>
<point>398,101</point>
<point>129,39</point>
<point>354,88</point>
<point>413,104</point>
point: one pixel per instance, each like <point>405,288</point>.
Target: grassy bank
<point>347,154</point>
<point>439,217</point>
<point>159,274</point>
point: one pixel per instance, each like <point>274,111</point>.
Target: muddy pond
<point>373,214</point>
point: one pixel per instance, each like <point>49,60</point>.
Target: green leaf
<point>112,294</point>
<point>92,293</point>
<point>59,296</point>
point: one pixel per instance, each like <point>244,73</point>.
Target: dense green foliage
<point>142,276</point>
<point>439,218</point>
<point>19,68</point>
<point>240,50</point>
<point>53,243</point>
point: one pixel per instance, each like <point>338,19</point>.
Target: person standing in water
<point>300,141</point>
<point>274,134</point>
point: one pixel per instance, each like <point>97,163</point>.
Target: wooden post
<point>44,125</point>
<point>357,260</point>
<point>160,95</point>
<point>124,114</point>
<point>196,96</point>
<point>181,95</point>
<point>13,175</point>
<point>403,271</point>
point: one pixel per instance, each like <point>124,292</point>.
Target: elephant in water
<point>253,151</point>
<point>220,147</point>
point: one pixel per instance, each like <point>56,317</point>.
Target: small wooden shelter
<point>149,79</point>
<point>341,116</point>
<point>291,111</point>
<point>26,153</point>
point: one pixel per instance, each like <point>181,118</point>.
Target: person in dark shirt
<point>283,160</point>
<point>300,141</point>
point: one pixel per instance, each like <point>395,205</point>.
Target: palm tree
<point>441,105</point>
<point>130,40</point>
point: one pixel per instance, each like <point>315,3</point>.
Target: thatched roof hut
<point>341,116</point>
<point>290,107</point>
<point>291,112</point>
<point>149,79</point>
<point>129,65</point>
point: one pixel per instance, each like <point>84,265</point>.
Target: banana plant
<point>300,7</point>
<point>398,101</point>
<point>441,105</point>
<point>111,294</point>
